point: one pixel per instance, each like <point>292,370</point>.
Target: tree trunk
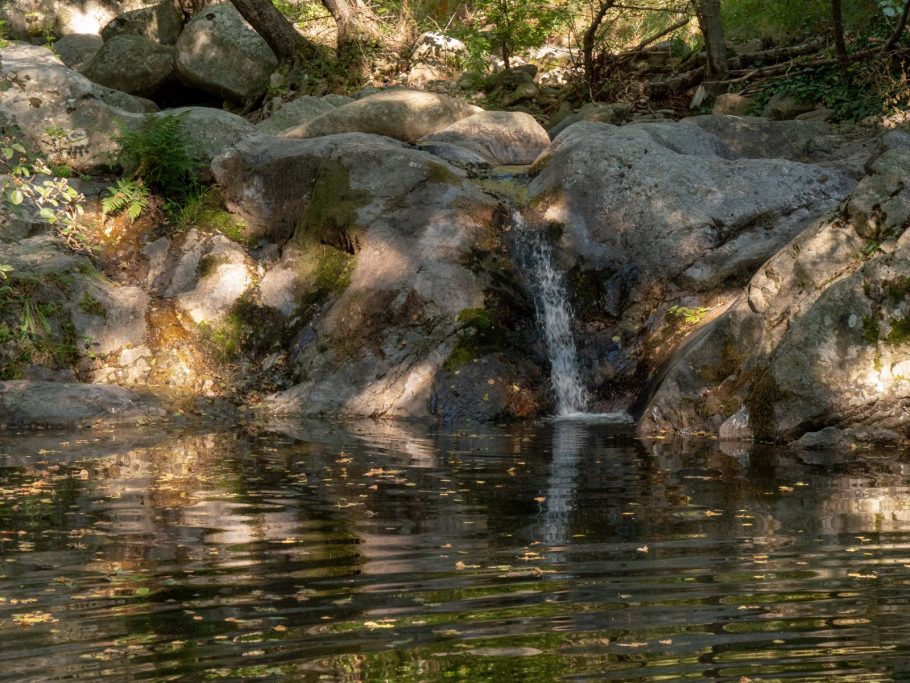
<point>712,28</point>
<point>840,45</point>
<point>590,40</point>
<point>275,29</point>
<point>356,22</point>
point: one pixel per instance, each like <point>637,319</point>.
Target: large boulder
<point>820,337</point>
<point>405,115</point>
<point>657,225</point>
<point>504,137</point>
<point>220,53</point>
<point>47,96</point>
<point>77,50</point>
<point>295,113</point>
<point>380,238</point>
<point>160,23</point>
<point>209,131</point>
<point>132,64</point>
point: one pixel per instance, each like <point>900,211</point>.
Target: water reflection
<point>390,552</point>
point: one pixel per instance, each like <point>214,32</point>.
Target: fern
<point>160,157</point>
<point>128,195</point>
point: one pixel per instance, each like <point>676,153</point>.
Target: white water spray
<point>555,317</point>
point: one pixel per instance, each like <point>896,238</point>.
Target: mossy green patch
<point>480,334</point>
<point>441,174</point>
<point>324,271</point>
<point>331,214</point>
<point>209,263</point>
<point>35,328</point>
<point>231,226</point>
<point>249,328</point>
<point>91,306</point>
<point>898,290</point>
<point>900,331</point>
<point>871,331</point>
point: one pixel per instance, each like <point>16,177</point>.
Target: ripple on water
<point>559,551</point>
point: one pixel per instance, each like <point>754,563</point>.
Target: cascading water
<point>555,317</point>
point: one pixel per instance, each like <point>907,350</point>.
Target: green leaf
<point>8,153</point>
<point>46,212</point>
<point>15,197</point>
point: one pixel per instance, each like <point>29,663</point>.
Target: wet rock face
<point>819,338</point>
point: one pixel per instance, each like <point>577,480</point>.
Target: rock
<point>438,48</point>
<point>379,237</point>
<point>295,113</point>
<point>77,50</point>
<point>405,115</point>
<point>616,114</point>
<point>211,131</point>
<point>822,114</point>
<point>736,427</point>
<point>732,105</point>
<point>459,155</point>
<point>488,389</point>
<point>30,18</point>
<point>337,100</point>
<point>218,52</point>
<point>47,95</point>
<point>225,273</point>
<point>662,196</point>
<point>56,405</point>
<point>782,107</point>
<point>353,169</point>
<point>818,339</point>
<point>508,138</point>
<point>808,141</point>
<point>833,437</point>
<point>107,317</point>
<point>132,64</point>
<point>160,23</point>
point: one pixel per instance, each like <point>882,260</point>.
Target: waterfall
<point>554,315</point>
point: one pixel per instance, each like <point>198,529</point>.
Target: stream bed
<point>388,552</point>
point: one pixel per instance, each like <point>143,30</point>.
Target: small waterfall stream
<point>555,316</point>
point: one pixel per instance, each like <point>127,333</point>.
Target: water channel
<point>382,552</point>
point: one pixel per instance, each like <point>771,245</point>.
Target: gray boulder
<point>782,107</point>
<point>732,105</point>
<point>220,53</point>
<point>132,64</point>
<point>45,95</point>
<point>660,195</point>
<point>295,113</point>
<point>818,339</point>
<point>507,138</point>
<point>77,50</point>
<point>211,131</point>
<point>379,237</point>
<point>160,23</point>
<point>405,115</point>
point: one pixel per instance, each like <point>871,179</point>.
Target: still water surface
<point>389,553</point>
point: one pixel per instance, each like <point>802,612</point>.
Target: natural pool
<point>383,552</point>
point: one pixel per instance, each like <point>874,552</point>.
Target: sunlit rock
<point>506,138</point>
<point>218,52</point>
<point>406,115</point>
